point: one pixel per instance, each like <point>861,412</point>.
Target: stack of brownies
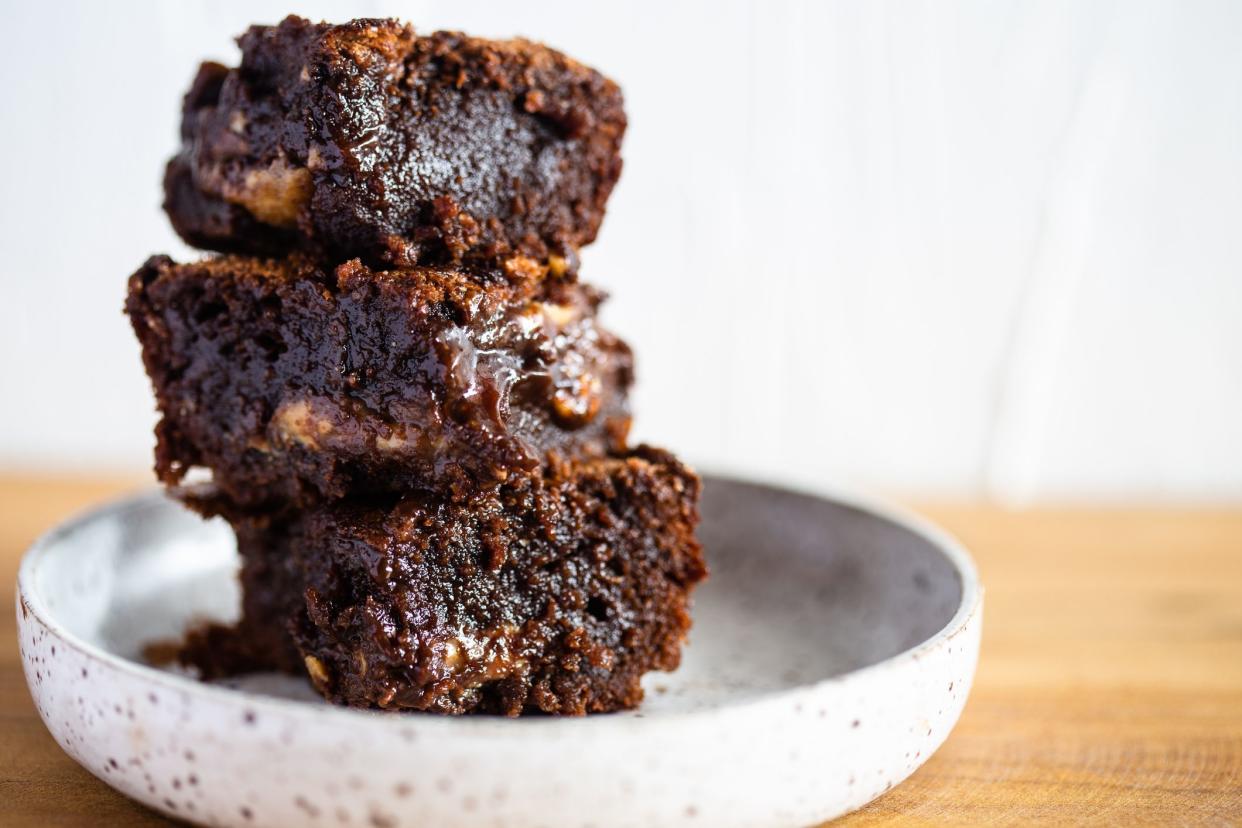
<point>412,418</point>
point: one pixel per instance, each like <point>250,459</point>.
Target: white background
<point>962,249</point>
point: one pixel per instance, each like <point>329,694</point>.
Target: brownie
<point>272,597</point>
<point>365,140</point>
<point>552,592</point>
<point>294,383</point>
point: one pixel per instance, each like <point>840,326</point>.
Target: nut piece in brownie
<point>553,592</point>
<point>363,139</point>
<point>293,383</point>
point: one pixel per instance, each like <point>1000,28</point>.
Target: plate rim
<point>492,727</point>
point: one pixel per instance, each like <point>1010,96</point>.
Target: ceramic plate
<point>832,651</point>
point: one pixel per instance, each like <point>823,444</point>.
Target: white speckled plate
<point>832,652</point>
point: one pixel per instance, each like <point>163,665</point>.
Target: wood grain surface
<point>1109,689</point>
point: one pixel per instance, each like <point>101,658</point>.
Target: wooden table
<point>1109,690</point>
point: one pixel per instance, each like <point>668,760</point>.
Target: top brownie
<point>365,140</point>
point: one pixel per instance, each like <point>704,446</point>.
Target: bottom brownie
<point>272,599</point>
<point>552,592</point>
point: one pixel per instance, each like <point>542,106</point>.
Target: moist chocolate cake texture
<point>295,383</point>
<point>272,599</point>
<point>551,592</point>
<point>366,140</point>
<point>411,416</point>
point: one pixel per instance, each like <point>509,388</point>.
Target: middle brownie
<point>294,383</point>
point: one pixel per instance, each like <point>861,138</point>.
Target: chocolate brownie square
<point>552,592</point>
<point>293,382</point>
<point>366,140</point>
<point>272,598</point>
